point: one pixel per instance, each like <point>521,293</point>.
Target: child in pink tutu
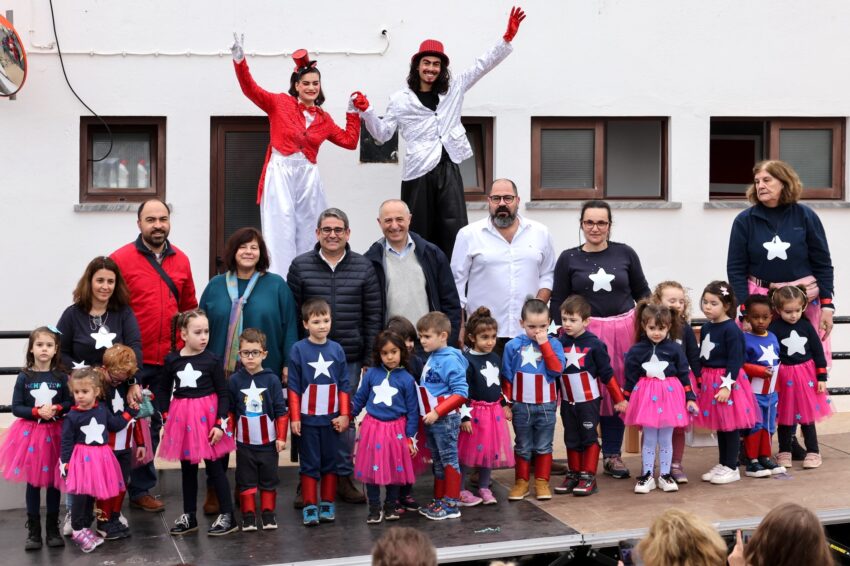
<point>385,444</point>
<point>485,441</point>
<point>658,388</point>
<point>30,449</point>
<point>672,294</point>
<point>87,462</point>
<point>119,365</point>
<point>725,399</point>
<point>802,378</point>
<point>195,421</point>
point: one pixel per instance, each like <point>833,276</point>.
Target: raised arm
<point>257,95</point>
<point>496,54</point>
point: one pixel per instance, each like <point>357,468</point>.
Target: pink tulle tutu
<point>489,445</point>
<point>618,333</point>
<point>382,456</point>
<point>145,426</point>
<point>738,413</point>
<point>657,403</point>
<point>30,453</point>
<point>422,462</point>
<point>94,470</point>
<point>187,430</point>
<point>799,400</point>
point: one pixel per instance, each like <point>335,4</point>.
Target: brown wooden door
<point>237,151</point>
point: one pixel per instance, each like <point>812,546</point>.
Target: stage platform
<point>504,530</point>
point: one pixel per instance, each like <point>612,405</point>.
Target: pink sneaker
<point>86,540</point>
<point>487,496</point>
<point>467,499</point>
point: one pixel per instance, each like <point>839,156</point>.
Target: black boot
<point>34,536</point>
<point>51,531</point>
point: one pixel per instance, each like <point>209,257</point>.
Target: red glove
<point>360,101</point>
<point>517,16</point>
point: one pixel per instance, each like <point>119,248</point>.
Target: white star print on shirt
<point>189,376</point>
<point>321,366</point>
<point>573,357</point>
<point>601,280</point>
<point>102,338</point>
<point>415,441</point>
<point>384,392</point>
<point>530,356</point>
<point>655,367</point>
<point>117,403</point>
<point>795,343</point>
<point>43,395</point>
<point>776,248</point>
<point>78,365</point>
<point>465,412</point>
<point>707,347</point>
<point>490,373</point>
<point>252,395</point>
<point>767,354</point>
<point>553,328</point>
<point>93,432</point>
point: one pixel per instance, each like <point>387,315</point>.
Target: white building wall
<point>684,60</point>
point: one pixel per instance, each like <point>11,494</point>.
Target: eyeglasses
<point>251,353</point>
<point>590,224</point>
<point>327,230</point>
<point>496,199</point>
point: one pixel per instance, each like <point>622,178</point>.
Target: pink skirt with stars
<point>657,403</point>
<point>94,470</point>
<point>187,431</point>
<point>30,453</point>
<point>618,334</point>
<point>739,412</point>
<point>382,456</point>
<point>799,400</point>
<point>489,445</point>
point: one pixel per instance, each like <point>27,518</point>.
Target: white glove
<point>236,50</point>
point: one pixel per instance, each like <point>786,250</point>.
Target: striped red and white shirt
<point>255,430</point>
<point>320,399</point>
<point>579,387</point>
<point>533,388</point>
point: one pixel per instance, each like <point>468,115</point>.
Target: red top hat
<point>302,59</point>
<point>432,47</point>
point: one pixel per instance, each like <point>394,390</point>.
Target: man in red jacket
<point>160,280</point>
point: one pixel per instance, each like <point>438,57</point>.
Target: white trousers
<point>293,198</point>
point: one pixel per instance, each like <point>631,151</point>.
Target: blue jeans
<point>613,430</point>
<point>344,459</point>
<point>534,426</point>
<point>143,479</point>
<point>442,442</point>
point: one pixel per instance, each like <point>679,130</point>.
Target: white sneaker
<point>726,475</point>
<point>67,529</point>
<point>713,472</point>
<point>645,483</point>
<point>123,519</point>
<point>667,483</point>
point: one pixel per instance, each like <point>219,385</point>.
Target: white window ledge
<point>477,205</point>
<point>619,204</point>
<point>742,204</point>
<point>111,207</point>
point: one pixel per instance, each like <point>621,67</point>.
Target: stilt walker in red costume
<point>427,113</point>
<point>290,193</point>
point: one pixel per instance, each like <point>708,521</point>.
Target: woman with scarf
<point>248,296</point>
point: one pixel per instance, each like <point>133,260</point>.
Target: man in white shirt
<point>428,113</point>
<point>502,259</point>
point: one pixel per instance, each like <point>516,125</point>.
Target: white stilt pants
<point>293,198</point>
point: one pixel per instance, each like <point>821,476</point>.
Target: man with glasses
<point>347,281</point>
<point>502,259</point>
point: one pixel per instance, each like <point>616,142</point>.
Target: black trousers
<point>437,204</point>
<point>255,468</point>
<point>580,420</point>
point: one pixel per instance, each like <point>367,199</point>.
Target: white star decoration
<point>465,412</point>
<point>93,432</point>
<point>530,356</point>
<point>776,248</point>
<point>252,395</point>
<point>102,338</point>
<point>117,403</point>
<point>573,357</point>
<point>601,280</point>
<point>79,365</point>
<point>553,328</point>
<point>384,393</point>
<point>727,381</point>
<point>768,355</point>
<point>415,441</point>
<point>655,367</point>
<point>490,373</point>
<point>795,343</point>
<point>189,376</point>
<point>707,347</point>
<point>43,395</point>
<point>321,366</point>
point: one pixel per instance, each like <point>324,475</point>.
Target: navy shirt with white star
<point>72,433</point>
<point>29,380</point>
<point>812,349</point>
<point>595,361</point>
<point>728,350</point>
<point>666,351</point>
<point>211,381</point>
<point>404,402</point>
